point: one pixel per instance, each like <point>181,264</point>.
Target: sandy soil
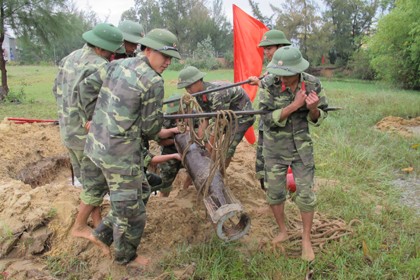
<point>39,205</point>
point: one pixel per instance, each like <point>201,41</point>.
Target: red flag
<point>247,56</point>
<point>323,59</point>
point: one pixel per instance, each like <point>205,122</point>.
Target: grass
<point>348,149</point>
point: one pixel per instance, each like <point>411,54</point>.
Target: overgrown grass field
<point>362,162</point>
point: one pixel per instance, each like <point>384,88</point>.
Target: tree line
<point>373,39</point>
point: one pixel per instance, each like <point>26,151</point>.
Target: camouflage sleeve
<point>147,157</point>
<point>267,81</point>
<point>323,103</point>
<point>152,111</point>
<point>88,93</point>
<point>267,104</point>
<point>314,84</point>
<point>57,90</point>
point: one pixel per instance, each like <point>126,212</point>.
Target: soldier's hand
<point>312,101</point>
<point>300,98</point>
<point>254,80</point>
<point>177,157</point>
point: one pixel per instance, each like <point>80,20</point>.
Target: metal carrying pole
<point>238,113</point>
<point>212,90</point>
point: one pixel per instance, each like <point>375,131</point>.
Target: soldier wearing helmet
<point>235,99</point>
<point>128,112</point>
<point>295,101</point>
<point>101,43</point>
<point>132,32</point>
<point>271,41</point>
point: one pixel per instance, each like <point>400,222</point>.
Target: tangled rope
<point>323,231</point>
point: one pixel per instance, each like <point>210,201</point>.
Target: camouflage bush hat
<point>161,40</point>
<point>105,36</point>
<point>273,37</point>
<point>188,76</point>
<point>132,31</point>
<point>173,106</point>
<point>287,61</point>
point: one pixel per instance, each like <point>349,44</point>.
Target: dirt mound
<point>36,216</point>
<point>404,127</point>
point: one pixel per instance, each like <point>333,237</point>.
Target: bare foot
<point>282,236</point>
<point>104,248</point>
<point>140,261</point>
<point>81,231</point>
<point>307,251</point>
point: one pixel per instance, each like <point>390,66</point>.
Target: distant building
<point>9,47</point>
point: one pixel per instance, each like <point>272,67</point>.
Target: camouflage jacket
<point>89,89</point>
<point>290,138</point>
<point>72,69</point>
<point>128,109</point>
<point>234,99</point>
<point>265,83</point>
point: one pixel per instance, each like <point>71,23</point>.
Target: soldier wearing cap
<point>271,41</point>
<point>128,110</point>
<point>296,101</point>
<point>234,98</point>
<point>132,32</point>
<point>101,42</point>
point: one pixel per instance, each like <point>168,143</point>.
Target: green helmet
<point>287,61</point>
<point>105,36</point>
<point>173,107</point>
<point>161,40</point>
<point>273,37</point>
<point>132,31</point>
<point>188,76</point>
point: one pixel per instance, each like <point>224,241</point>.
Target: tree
<point>301,22</point>
<point>351,20</point>
<point>268,21</point>
<point>39,18</point>
<point>148,13</point>
<point>395,48</point>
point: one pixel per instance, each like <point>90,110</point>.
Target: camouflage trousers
<point>124,224</point>
<point>94,186</point>
<point>168,171</point>
<point>259,163</point>
<point>275,182</point>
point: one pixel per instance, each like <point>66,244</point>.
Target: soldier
<point>132,33</point>
<point>234,98</point>
<point>102,41</point>
<point>271,41</point>
<point>169,169</point>
<point>128,109</point>
<point>295,100</point>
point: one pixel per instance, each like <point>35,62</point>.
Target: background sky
<point>111,10</point>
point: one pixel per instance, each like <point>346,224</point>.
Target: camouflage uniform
<point>74,68</point>
<point>270,38</point>
<point>234,99</point>
<point>288,143</point>
<point>129,108</point>
<point>91,86</point>
<point>169,169</point>
<point>259,163</point>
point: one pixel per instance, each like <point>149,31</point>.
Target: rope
<point>323,231</point>
<point>218,135</point>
